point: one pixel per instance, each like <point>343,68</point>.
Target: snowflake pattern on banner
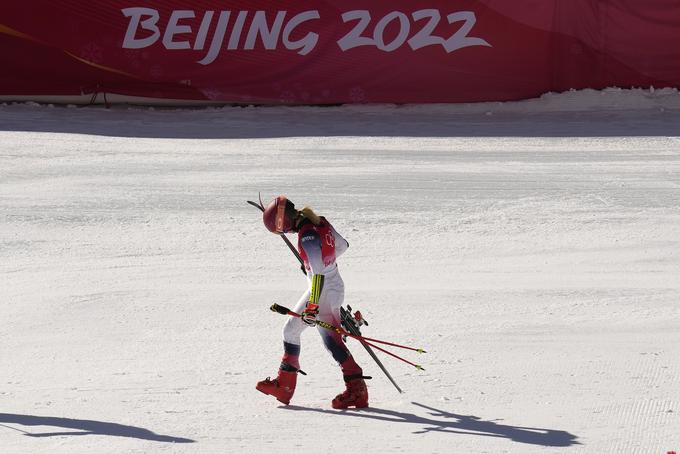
<point>92,52</point>
<point>212,94</point>
<point>132,57</point>
<point>287,97</point>
<point>357,94</point>
<point>299,94</point>
<point>156,71</point>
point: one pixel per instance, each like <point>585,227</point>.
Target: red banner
<point>329,52</point>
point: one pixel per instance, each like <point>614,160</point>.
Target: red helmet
<point>279,215</point>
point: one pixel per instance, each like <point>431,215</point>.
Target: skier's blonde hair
<point>311,215</point>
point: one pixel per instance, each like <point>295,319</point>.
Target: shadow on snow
<point>86,427</point>
<point>342,121</point>
<point>459,424</point>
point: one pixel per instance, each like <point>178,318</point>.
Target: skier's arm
<point>341,244</point>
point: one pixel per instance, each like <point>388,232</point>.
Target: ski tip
<point>420,350</point>
<point>419,367</point>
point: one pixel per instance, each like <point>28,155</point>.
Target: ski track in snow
<point>534,253</point>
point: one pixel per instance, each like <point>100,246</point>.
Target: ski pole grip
<point>280,309</point>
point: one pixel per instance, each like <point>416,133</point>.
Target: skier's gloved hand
<point>308,316</point>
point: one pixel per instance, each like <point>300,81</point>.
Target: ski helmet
<point>279,215</point>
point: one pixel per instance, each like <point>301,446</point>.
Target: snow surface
<point>532,248</point>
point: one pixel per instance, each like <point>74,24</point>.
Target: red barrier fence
<point>331,51</point>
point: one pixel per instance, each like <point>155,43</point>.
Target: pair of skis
<point>351,323</point>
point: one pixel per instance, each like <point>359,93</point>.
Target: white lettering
<point>391,31</point>
<point>236,31</point>
<point>259,26</point>
<point>135,15</point>
<point>354,38</point>
<point>216,42</point>
<point>203,30</point>
<point>305,44</point>
<point>424,37</point>
<point>458,40</point>
<point>174,28</point>
<point>404,29</point>
<point>461,39</point>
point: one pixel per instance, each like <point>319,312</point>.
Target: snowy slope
<point>532,248</point>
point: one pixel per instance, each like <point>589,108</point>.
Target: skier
<point>319,246</point>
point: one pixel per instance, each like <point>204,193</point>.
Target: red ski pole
<point>417,366</point>
<point>419,350</point>
<point>285,311</point>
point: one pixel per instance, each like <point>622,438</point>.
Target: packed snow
<point>532,248</point>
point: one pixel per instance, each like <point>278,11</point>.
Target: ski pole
<point>260,206</point>
<point>355,330</point>
<point>417,366</point>
<point>285,311</point>
<point>419,350</point>
<point>362,339</point>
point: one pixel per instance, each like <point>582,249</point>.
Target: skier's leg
<point>329,311</point>
<point>356,392</point>
<point>283,386</point>
<point>291,334</point>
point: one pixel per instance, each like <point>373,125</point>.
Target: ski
<point>352,326</point>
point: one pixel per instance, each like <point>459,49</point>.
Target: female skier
<point>319,246</point>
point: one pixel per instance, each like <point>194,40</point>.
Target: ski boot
<point>356,394</point>
<point>283,386</point>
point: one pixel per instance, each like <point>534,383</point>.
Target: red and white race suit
<point>320,246</point>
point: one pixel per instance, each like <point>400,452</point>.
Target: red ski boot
<point>282,387</point>
<point>356,394</point>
